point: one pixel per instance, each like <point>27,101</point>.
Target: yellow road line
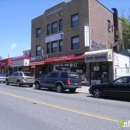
<point>63,108</point>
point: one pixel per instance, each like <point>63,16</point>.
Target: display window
<point>99,73</point>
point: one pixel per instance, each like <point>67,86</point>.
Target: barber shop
<point>99,66</point>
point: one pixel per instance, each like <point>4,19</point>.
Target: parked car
<point>2,78</point>
<point>118,88</point>
<point>20,78</point>
<point>59,80</point>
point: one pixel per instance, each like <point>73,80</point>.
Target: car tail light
<point>68,81</point>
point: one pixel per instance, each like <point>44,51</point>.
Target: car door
<point>45,82</point>
<point>11,78</point>
<point>15,77</point>
<point>126,89</point>
<point>53,79</point>
<point>120,86</point>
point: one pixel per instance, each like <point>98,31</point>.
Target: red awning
<point>37,63</point>
<point>64,58</point>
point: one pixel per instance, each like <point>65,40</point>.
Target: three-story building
<point>63,34</point>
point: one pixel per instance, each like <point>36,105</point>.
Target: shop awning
<point>99,56</point>
<point>64,58</point>
<point>37,63</point>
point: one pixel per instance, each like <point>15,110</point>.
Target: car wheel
<point>97,93</point>
<point>59,88</point>
<point>72,90</point>
<point>18,83</point>
<point>30,85</point>
<point>37,85</point>
<point>7,82</point>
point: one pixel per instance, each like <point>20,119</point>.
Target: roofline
<point>107,8</point>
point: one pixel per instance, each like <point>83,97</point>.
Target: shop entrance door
<point>105,73</point>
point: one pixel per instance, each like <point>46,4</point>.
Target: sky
<point>16,16</point>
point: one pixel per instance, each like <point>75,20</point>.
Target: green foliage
<point>126,32</point>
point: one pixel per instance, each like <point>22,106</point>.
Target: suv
<point>59,81</point>
<point>20,78</point>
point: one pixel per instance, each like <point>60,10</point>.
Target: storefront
<point>73,63</point>
<point>41,65</point>
<point>20,63</point>
<point>5,66</point>
<point>38,66</point>
<point>100,65</point>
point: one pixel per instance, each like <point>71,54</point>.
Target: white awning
<point>99,56</point>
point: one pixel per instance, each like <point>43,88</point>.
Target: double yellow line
<point>62,108</point>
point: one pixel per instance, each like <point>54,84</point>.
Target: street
<point>24,108</point>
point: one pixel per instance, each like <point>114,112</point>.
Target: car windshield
<point>27,74</point>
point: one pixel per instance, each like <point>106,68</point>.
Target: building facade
<point>5,66</point>
<point>64,33</point>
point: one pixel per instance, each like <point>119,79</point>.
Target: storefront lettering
<point>100,57</point>
<point>97,57</point>
<point>38,58</point>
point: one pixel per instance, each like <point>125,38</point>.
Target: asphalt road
<point>24,108</point>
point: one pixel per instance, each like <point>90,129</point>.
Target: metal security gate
<point>119,72</point>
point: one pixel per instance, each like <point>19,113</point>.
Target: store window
<point>99,73</point>
<point>75,43</point>
<point>54,47</point>
<point>38,33</point>
<point>54,27</point>
<point>38,50</point>
<point>74,20</point>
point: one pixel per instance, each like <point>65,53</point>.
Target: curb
<point>83,89</point>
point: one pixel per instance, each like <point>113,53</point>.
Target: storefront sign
<point>86,36</point>
<point>5,62</point>
<point>95,82</point>
<point>23,62</point>
<point>54,37</point>
<point>38,58</point>
<point>98,56</point>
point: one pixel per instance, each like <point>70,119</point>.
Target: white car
<point>2,78</point>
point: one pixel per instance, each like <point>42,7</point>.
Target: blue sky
<point>16,16</point>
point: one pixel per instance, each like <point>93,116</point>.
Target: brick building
<point>64,33</point>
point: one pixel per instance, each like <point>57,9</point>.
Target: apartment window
<point>54,47</point>
<point>60,45</point>
<point>48,29</point>
<point>60,25</point>
<point>74,20</point>
<point>54,27</point>
<point>75,43</point>
<point>109,25</point>
<point>48,48</point>
<point>38,50</point>
<point>38,33</point>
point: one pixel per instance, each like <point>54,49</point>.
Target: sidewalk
<point>83,89</point>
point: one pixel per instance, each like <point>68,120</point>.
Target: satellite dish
<point>64,0</point>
